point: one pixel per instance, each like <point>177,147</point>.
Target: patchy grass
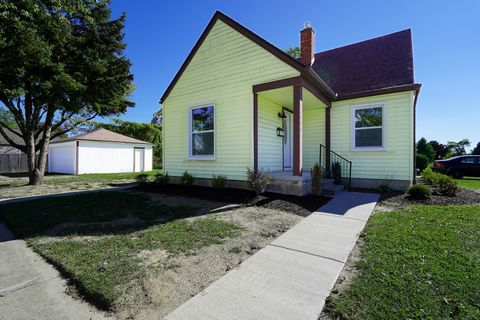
<point>103,267</point>
<point>469,183</point>
<point>421,262</point>
<point>97,177</point>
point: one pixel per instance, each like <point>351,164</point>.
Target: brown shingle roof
<point>103,135</point>
<point>370,65</point>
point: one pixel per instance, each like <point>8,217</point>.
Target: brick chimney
<point>307,45</point>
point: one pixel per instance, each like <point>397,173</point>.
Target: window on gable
<point>368,126</point>
<point>202,132</point>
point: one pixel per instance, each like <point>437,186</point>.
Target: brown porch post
<point>327,137</point>
<point>255,132</point>
<point>297,130</point>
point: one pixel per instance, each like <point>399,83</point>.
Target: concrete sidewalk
<point>30,288</point>
<point>292,277</point>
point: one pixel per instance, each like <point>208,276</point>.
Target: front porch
<point>291,121</point>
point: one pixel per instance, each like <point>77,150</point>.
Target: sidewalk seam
<point>304,252</point>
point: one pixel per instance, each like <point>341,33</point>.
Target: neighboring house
<point>12,160</point>
<point>238,101</point>
<point>99,151</point>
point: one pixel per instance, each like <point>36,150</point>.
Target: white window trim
<point>190,133</point>
<point>384,126</point>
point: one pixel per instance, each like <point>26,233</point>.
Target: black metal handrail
<point>330,162</point>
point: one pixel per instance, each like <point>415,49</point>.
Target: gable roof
<point>375,66</point>
<point>280,54</point>
<point>102,135</point>
<point>366,66</point>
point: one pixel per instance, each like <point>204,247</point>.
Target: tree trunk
<point>36,169</point>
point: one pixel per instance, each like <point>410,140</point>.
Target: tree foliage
<point>458,148</point>
<point>442,151</point>
<point>143,131</point>
<point>476,150</point>
<point>158,117</point>
<point>61,64</point>
<point>294,52</point>
<point>425,148</point>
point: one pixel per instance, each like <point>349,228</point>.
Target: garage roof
<point>102,135</point>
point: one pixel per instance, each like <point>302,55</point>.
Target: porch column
<point>328,138</point>
<point>255,132</point>
<point>297,130</point>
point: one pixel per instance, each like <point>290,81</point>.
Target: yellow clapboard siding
<point>223,71</point>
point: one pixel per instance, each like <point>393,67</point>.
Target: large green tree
<point>476,150</point>
<point>61,63</point>
<point>425,148</point>
<point>458,148</point>
<point>149,132</point>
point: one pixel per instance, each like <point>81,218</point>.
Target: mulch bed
<point>463,197</point>
<point>302,206</point>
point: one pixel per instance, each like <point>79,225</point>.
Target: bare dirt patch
<point>171,280</point>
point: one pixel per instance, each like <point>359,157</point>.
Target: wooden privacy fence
<point>11,163</point>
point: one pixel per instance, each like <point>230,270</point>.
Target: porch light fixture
<point>282,115</point>
<point>280,132</point>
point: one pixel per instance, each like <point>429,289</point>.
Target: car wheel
<point>457,174</point>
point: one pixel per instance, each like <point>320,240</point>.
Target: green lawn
<point>469,182</point>
<point>97,177</point>
<point>106,263</point>
<point>418,263</point>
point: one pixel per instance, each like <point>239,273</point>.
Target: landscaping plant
<point>257,180</point>
<point>337,172</point>
<point>445,185</point>
<point>418,191</point>
<point>162,178</point>
<point>316,174</point>
<point>219,181</point>
<point>187,179</point>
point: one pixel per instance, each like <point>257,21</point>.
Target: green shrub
<point>445,185</point>
<point>337,172</point>
<point>316,174</point>
<point>141,178</point>
<point>428,175</point>
<point>187,179</point>
<point>219,181</point>
<point>421,161</point>
<point>257,180</point>
<point>418,191</point>
<point>162,178</point>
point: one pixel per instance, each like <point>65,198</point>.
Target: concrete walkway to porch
<point>291,277</point>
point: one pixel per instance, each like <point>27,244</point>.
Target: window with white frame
<point>368,127</point>
<point>202,132</point>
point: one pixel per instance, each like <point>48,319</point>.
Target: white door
<point>139,160</point>
<point>287,141</point>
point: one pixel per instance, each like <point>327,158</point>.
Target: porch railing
<point>336,166</point>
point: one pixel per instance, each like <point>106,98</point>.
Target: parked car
<point>460,166</point>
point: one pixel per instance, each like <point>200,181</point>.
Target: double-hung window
<point>368,127</point>
<point>202,132</point>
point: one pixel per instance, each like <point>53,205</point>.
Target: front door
<point>139,160</point>
<point>287,140</point>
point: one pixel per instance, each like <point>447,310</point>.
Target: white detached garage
<point>99,151</point>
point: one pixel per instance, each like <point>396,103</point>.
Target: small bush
<point>162,178</point>
<point>421,161</point>
<point>428,175</point>
<point>316,174</point>
<point>257,180</point>
<point>418,191</point>
<point>337,172</point>
<point>219,181</point>
<point>141,178</point>
<point>445,185</point>
<point>187,179</point>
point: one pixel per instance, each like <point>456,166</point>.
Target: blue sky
<point>446,39</point>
